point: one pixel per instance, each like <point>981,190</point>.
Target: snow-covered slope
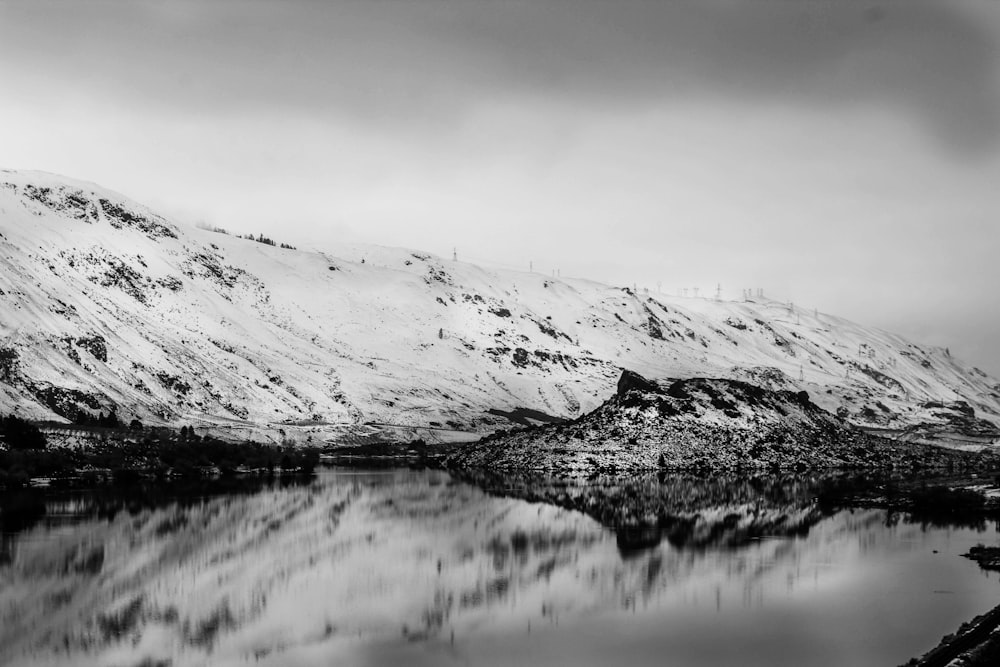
<point>104,303</point>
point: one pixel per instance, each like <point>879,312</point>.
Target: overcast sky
<point>843,154</point>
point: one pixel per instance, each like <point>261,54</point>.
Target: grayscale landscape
<point>459,332</point>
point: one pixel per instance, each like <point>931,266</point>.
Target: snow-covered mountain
<point>104,303</point>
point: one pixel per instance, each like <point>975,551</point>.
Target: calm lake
<point>417,568</point>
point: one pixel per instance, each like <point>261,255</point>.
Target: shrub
<point>21,435</point>
<point>8,364</point>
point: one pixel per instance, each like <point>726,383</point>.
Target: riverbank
<point>975,644</point>
<point>124,457</point>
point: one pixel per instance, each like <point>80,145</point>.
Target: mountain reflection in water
<point>690,512</point>
<point>416,567</point>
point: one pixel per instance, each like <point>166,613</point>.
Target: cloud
<point>424,64</point>
<point>805,146</point>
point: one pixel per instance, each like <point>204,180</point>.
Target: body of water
<point>415,567</point>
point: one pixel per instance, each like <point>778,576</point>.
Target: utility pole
<point>454,254</point>
<point>531,266</point>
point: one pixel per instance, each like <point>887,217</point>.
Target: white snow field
<point>104,303</point>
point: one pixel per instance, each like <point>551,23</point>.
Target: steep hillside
<point>698,423</point>
<point>104,303</point>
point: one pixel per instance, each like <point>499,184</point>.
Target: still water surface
<point>417,568</point>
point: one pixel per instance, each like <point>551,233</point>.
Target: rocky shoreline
<point>975,644</point>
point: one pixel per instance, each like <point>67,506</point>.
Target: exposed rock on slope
<point>953,424</point>
<point>107,304</point>
<point>697,423</point>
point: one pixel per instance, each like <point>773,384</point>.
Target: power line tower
<point>695,289</point>
<point>718,292</point>
<point>454,254</point>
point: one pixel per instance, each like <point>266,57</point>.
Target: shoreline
<point>976,643</point>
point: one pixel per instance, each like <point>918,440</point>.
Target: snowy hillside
<point>104,303</point>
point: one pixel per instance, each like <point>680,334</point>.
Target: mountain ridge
<point>108,305</point>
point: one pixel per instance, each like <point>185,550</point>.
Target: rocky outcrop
<point>699,423</point>
<point>630,381</point>
<point>974,644</point>
<point>954,422</point>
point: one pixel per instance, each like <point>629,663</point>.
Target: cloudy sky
<point>842,154</point>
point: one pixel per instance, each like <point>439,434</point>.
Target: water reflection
<point>689,512</point>
<point>406,566</point>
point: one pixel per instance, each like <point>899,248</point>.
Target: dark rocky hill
<point>700,423</point>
